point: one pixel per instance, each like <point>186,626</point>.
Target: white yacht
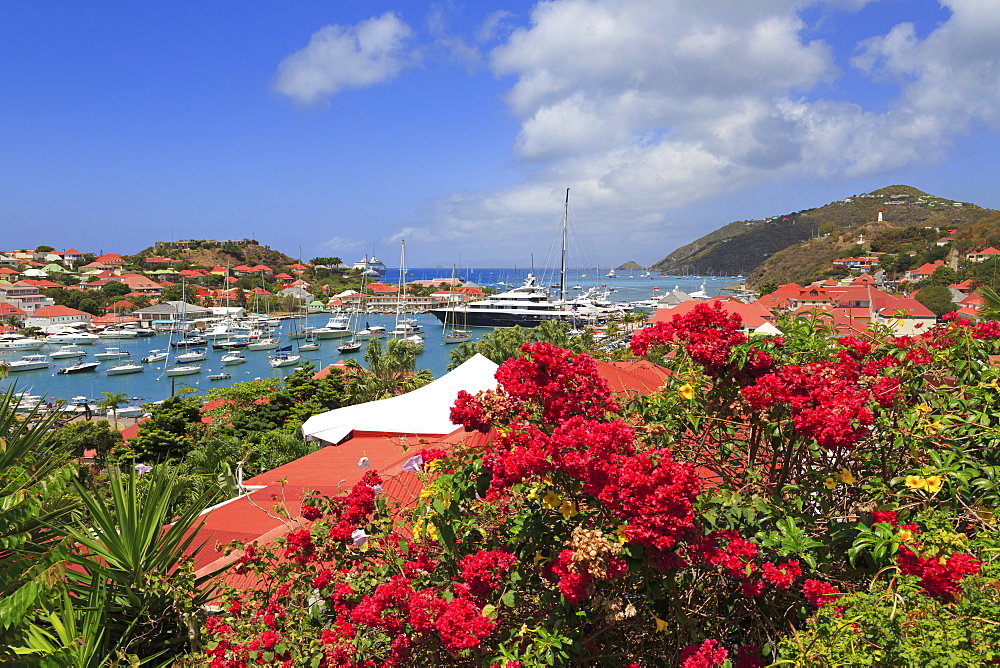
<point>112,353</point>
<point>526,305</point>
<point>30,363</point>
<point>72,336</point>
<point>155,355</point>
<point>20,343</point>
<point>68,351</point>
<point>232,358</point>
<point>117,333</point>
<point>336,327</point>
<point>185,370</point>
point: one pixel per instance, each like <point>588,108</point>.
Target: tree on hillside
<point>44,249</point>
<point>113,289</point>
<point>937,298</point>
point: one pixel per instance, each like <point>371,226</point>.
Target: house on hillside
<point>983,255</point>
<point>57,316</point>
<point>925,270</point>
<point>24,296</point>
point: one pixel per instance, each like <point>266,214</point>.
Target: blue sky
<point>339,127</point>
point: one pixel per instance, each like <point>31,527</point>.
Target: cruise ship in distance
<point>371,266</point>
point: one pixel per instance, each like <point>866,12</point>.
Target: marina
<point>87,376</point>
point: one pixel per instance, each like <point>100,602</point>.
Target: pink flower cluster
<point>738,559</point>
<point>573,582</point>
<point>708,334</point>
<point>556,413</point>
<point>820,593</point>
<point>459,623</point>
<point>706,655</point>
<point>939,576</point>
<point>485,570</point>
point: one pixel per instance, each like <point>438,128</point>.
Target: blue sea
<point>153,385</point>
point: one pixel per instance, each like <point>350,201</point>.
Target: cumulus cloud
<point>651,105</point>
<point>339,57</point>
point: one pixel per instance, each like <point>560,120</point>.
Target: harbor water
<point>153,385</point>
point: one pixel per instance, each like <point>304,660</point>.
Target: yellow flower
<point>426,493</point>
<point>933,484</point>
<point>533,494</point>
<point>830,483</point>
<point>686,391</point>
<point>922,410</point>
<point>432,531</point>
<point>568,509</point>
<point>620,532</point>
<point>660,625</point>
<point>905,535</point>
<point>846,477</point>
<point>915,482</point>
<point>551,500</point>
<point>992,384</point>
<point>540,558</point>
<point>935,427</point>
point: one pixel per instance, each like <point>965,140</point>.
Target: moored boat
<point>124,367</point>
<point>185,370</point>
<point>68,352</point>
<point>29,363</point>
<point>230,359</point>
<point>79,367</point>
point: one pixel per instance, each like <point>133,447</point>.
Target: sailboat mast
<point>562,269</point>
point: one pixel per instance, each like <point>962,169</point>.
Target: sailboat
<point>406,329</point>
<point>455,335</point>
<point>353,344</point>
<point>183,369</point>
<point>283,357</point>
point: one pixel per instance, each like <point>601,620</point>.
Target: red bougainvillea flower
<point>706,655</point>
<point>820,593</point>
<point>939,576</point>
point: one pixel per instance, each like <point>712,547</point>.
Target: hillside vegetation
<point>797,245</point>
<point>251,254</point>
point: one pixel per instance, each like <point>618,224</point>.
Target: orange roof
<point>9,309</point>
<point>56,311</point>
<point>753,315</point>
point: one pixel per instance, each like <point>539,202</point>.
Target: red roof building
<point>7,310</point>
<point>48,316</point>
<point>983,255</point>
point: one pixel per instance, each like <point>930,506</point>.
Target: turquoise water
<point>153,385</point>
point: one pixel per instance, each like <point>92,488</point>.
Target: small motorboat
<point>222,375</point>
<point>155,356</point>
<point>233,358</point>
<point>29,363</point>
<point>79,367</point>
<point>68,351</point>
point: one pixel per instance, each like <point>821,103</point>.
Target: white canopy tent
<point>423,411</point>
<point>768,329</point>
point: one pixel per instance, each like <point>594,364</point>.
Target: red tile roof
<point>58,310</point>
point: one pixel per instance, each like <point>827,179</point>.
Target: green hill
<point>796,246</point>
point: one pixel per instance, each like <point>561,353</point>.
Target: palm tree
<point>111,401</point>
<point>991,303</point>
<point>35,475</point>
<point>390,372</point>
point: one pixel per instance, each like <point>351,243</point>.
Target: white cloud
<point>339,57</point>
<point>340,244</point>
<point>648,106</point>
